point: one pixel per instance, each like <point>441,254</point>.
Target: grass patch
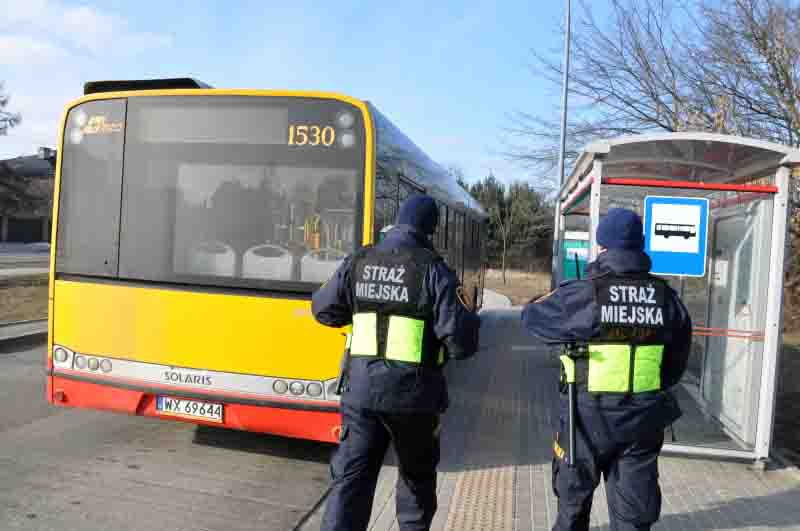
<point>22,299</point>
<point>520,286</point>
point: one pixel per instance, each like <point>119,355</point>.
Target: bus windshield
<point>220,190</point>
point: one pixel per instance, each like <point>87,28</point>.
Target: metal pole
<point>565,87</point>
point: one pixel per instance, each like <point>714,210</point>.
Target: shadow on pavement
<point>777,510</point>
<point>11,346</point>
<point>502,400</point>
<point>259,443</point>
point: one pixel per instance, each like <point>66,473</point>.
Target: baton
<point>568,362</point>
<point>344,367</point>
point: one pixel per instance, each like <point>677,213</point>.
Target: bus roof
<point>93,87</point>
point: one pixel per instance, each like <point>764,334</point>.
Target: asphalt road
<point>63,469</point>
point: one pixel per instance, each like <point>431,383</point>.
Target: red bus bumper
<point>296,419</point>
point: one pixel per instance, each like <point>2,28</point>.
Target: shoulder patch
<point>545,296</point>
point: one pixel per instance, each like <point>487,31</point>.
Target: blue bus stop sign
<point>676,235</point>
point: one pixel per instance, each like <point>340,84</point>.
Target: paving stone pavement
<point>495,469</point>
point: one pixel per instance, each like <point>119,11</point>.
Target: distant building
<point>26,197</point>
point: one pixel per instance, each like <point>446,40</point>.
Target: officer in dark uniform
<point>635,335</point>
<point>408,319</point>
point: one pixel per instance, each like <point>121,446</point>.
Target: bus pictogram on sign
<point>667,229</point>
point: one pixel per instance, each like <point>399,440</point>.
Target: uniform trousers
<point>630,471</point>
<point>356,462</point>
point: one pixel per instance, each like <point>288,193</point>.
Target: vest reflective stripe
<point>364,341</point>
<point>647,373</point>
<point>403,341</point>
<point>610,368</point>
<point>441,356</point>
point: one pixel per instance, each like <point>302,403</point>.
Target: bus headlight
<point>105,365</point>
<point>80,362</point>
<point>60,355</point>
<point>94,364</point>
<point>297,388</point>
<point>314,389</point>
<point>280,387</point>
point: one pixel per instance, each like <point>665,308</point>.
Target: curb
<point>22,329</point>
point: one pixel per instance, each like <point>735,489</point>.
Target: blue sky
<point>447,73</point>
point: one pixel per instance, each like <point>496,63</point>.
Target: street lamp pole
<point>557,229</point>
<point>565,88</point>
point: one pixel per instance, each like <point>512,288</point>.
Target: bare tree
<point>504,219</point>
<point>668,65</point>
<point>7,118</point>
<point>627,77</point>
<point>750,59</point>
<point>730,66</point>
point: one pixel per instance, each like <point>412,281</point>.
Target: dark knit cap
<point>419,211</point>
<point>621,228</point>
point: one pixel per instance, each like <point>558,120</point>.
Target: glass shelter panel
<point>720,390</point>
<point>574,240</point>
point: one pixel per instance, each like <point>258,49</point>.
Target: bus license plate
<point>195,409</point>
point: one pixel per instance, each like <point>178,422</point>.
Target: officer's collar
<point>413,232</point>
<point>621,261</point>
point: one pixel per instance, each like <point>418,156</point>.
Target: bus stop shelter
<point>715,211</point>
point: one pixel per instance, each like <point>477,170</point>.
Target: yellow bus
<point>191,226</point>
